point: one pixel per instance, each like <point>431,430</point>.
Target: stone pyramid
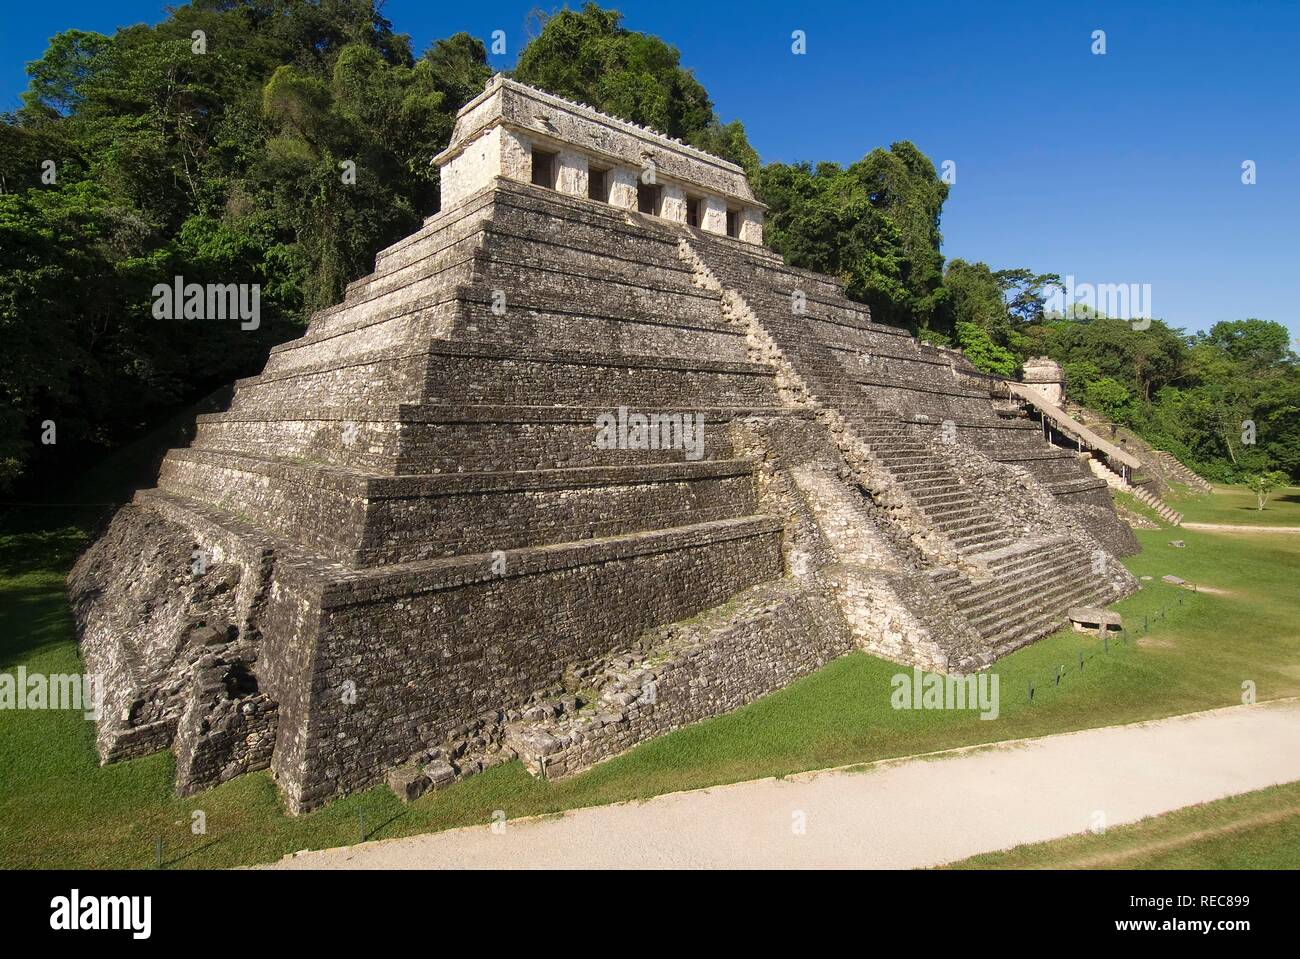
<point>580,462</point>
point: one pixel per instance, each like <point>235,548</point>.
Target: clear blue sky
<point>1122,168</point>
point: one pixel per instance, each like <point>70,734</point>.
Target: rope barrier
<point>1122,636</point>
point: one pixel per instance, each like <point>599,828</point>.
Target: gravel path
<point>898,813</point>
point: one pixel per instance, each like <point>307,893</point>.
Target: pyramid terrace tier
<point>366,520</point>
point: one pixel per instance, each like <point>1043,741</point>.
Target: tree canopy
<point>283,142</point>
<point>588,56</point>
<point>213,146</point>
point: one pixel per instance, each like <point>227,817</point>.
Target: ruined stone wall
<point>160,602</point>
<point>755,644</point>
<point>503,132</point>
<point>549,119</point>
<point>531,437</point>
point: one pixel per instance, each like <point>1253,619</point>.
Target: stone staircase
<point>1159,506</point>
<point>1175,467</point>
<point>866,382</point>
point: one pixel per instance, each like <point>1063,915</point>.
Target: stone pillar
<point>516,156</point>
<point>672,203</point>
<point>572,176</point>
<point>715,216</point>
<point>622,187</point>
<point>751,225</point>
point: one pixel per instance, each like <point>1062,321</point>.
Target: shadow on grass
<point>24,549</point>
<point>374,832</point>
<point>32,619</point>
<point>204,847</point>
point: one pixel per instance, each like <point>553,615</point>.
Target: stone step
<point>1030,626</point>
<point>929,484</point>
<point>958,496</point>
<point>967,521</point>
<point>542,320</point>
<point>967,532</point>
<point>971,543</point>
<point>497,373</point>
<point>1004,595</point>
<point>1049,598</point>
<point>584,226</point>
<point>468,207</point>
<point>906,465</point>
<point>1033,628</point>
<point>1009,563</point>
<point>926,479</point>
<point>425,290</point>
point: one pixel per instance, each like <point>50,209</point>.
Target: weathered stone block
<point>408,783</point>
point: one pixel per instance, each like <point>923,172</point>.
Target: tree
<point>222,167</point>
<point>588,56</point>
<point>874,224</point>
<point>1262,484</point>
<point>1257,344</point>
<point>1025,293</point>
<point>58,80</point>
<point>984,354</point>
<point>1108,397</point>
<point>976,297</point>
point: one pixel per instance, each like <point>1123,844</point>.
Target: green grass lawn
<point>1237,506</point>
<point>1259,830</point>
<point>59,808</point>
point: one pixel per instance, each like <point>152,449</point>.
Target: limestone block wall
<point>1045,377</point>
<point>573,379</point>
<point>512,438</point>
<point>862,561</point>
<point>472,168</point>
<point>572,175</point>
<point>425,649</point>
<point>469,514</point>
<point>221,736</point>
<point>496,151</point>
<point>757,643</point>
<point>672,203</point>
<point>896,615</point>
<point>162,604</point>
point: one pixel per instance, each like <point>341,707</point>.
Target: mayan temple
<point>579,463</point>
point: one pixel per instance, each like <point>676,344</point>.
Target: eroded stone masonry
<point>401,551</point>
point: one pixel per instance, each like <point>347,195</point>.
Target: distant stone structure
<point>1045,377</point>
<point>463,519</point>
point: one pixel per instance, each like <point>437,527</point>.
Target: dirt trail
<point>922,811</point>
